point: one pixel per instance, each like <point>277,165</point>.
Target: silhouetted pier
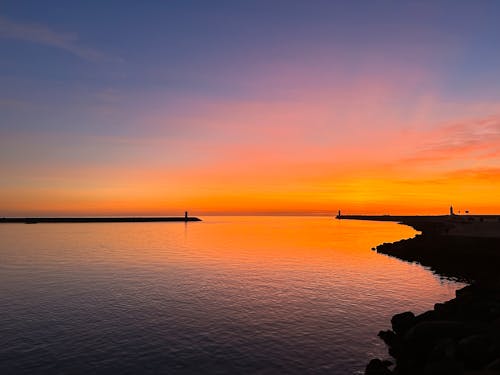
<point>458,225</point>
<point>130,219</point>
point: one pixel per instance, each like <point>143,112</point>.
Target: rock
<point>466,290</point>
<point>403,322</point>
<point>474,309</point>
<point>444,349</point>
<point>426,316</point>
<point>444,367</point>
<point>387,363</point>
<point>459,336</point>
<point>494,310</point>
<point>475,327</point>
<point>377,367</point>
<point>474,350</point>
<point>495,326</point>
<point>494,365</point>
<point>446,310</point>
<point>393,341</point>
<point>388,337</point>
<point>428,332</point>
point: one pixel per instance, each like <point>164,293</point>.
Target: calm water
<point>229,295</point>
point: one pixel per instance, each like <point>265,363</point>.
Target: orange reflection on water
<point>224,240</point>
<point>278,251</point>
<point>273,287</point>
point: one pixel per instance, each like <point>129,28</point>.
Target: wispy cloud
<point>42,34</point>
<point>476,140</point>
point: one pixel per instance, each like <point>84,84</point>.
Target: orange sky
<point>274,171</point>
<point>306,117</point>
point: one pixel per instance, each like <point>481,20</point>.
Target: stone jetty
<point>460,336</point>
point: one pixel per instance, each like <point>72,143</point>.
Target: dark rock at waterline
<point>403,322</point>
<point>427,316</point>
<point>387,336</point>
<point>464,258</point>
<point>428,332</point>
<point>393,342</point>
<point>460,336</point>
<point>446,309</point>
<point>378,367</point>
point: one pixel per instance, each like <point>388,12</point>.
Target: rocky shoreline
<point>460,336</point>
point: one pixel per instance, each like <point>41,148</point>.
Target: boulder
<point>444,367</point>
<point>474,350</point>
<point>388,337</point>
<point>494,310</point>
<point>393,341</point>
<point>474,308</point>
<point>466,290</point>
<point>444,349</point>
<point>428,332</point>
<point>403,322</point>
<point>446,310</point>
<point>377,367</point>
<point>426,316</point>
<point>494,365</point>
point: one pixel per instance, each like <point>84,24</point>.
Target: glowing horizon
<point>252,109</point>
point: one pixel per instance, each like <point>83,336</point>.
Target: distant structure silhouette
<point>451,211</point>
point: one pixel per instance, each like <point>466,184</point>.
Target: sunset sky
<point>237,107</point>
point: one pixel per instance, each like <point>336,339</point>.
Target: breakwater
<point>451,225</point>
<point>459,336</point>
<point>52,220</point>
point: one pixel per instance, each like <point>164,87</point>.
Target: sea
<point>227,295</point>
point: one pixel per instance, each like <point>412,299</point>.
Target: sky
<point>249,107</point>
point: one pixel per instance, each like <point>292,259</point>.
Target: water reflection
<point>230,294</point>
